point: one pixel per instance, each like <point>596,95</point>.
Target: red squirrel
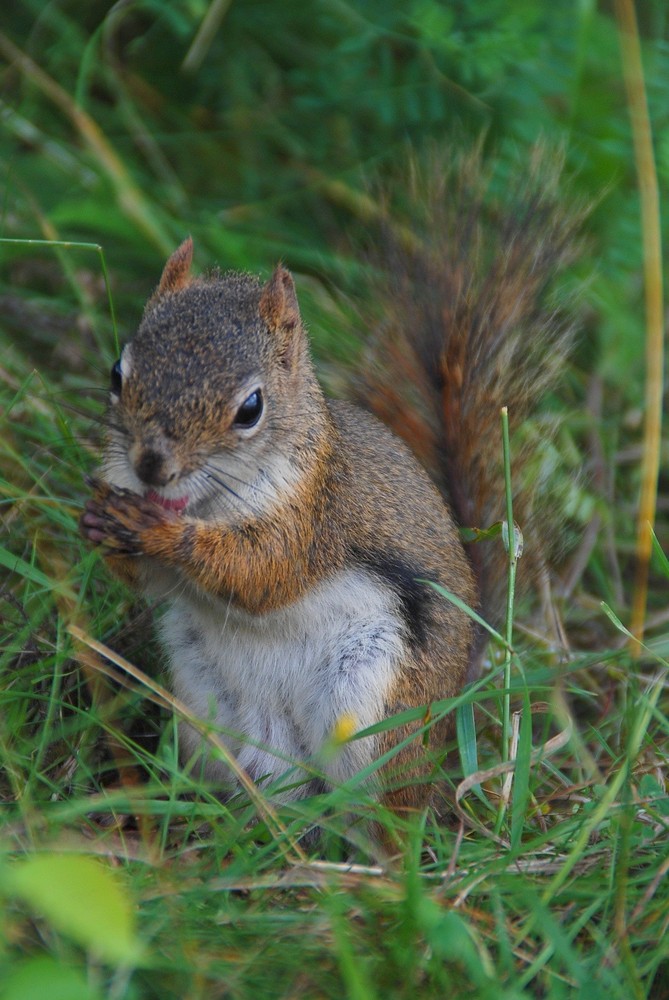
<point>291,536</point>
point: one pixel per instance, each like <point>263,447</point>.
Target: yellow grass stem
<point>652,264</point>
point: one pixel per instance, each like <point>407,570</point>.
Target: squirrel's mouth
<point>177,504</point>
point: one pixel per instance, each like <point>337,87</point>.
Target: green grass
<point>545,877</point>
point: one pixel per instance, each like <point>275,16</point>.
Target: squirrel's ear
<point>279,308</point>
<point>176,273</point>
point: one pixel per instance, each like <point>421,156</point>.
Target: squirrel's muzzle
<point>154,463</point>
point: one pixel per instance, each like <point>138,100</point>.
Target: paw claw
<point>116,518</point>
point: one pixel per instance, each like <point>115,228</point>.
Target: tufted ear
<point>279,309</point>
<point>176,273</point>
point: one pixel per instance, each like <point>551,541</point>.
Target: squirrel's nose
<point>153,462</point>
<point>150,467</point>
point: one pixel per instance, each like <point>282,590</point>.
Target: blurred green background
<point>267,131</point>
<point>256,126</point>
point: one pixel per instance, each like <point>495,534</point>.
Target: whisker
<point>221,482</point>
<point>273,482</point>
<point>236,456</point>
<point>244,482</point>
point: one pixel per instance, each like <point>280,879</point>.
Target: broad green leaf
<point>38,978</point>
<point>83,899</point>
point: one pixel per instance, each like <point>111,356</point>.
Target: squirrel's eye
<point>250,411</point>
<point>116,378</point>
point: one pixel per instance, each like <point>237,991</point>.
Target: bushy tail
<point>470,322</point>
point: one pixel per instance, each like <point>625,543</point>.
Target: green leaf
<point>467,744</point>
<point>660,557</point>
<point>518,540</point>
<point>459,603</point>
<point>43,977</point>
<point>466,730</point>
<point>81,898</point>
<point>616,621</point>
<point>15,564</point>
<point>650,788</point>
<point>451,939</point>
<point>481,534</point>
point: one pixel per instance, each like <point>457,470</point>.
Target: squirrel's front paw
<point>118,518</point>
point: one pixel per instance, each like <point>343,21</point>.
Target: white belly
<point>284,679</point>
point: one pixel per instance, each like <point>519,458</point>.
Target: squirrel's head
<point>214,400</point>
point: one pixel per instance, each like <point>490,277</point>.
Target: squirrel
<point>292,537</point>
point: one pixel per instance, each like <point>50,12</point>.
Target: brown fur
<point>469,324</point>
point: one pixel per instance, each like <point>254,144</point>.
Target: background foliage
<point>263,129</point>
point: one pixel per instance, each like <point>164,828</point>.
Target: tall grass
<point>260,129</point>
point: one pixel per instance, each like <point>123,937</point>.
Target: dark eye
<point>116,378</point>
<point>250,411</point>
